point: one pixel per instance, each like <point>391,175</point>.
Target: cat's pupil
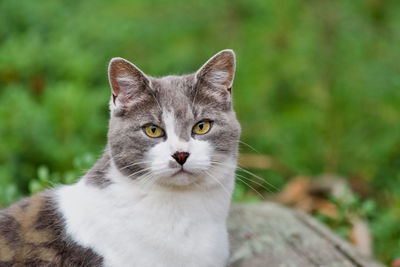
<point>201,125</point>
<point>153,129</point>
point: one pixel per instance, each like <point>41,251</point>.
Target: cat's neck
<point>98,174</point>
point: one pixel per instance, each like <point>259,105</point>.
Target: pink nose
<point>181,157</point>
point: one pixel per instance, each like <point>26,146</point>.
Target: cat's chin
<point>180,178</point>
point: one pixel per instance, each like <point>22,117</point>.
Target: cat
<point>160,193</point>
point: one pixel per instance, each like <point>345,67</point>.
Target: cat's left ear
<point>219,70</point>
<point>127,81</point>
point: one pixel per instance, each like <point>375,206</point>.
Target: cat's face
<point>173,130</point>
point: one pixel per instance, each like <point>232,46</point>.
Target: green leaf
<point>43,173</point>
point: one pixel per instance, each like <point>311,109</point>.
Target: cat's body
<point>160,194</point>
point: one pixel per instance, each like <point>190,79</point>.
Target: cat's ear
<point>219,70</point>
<point>126,80</point>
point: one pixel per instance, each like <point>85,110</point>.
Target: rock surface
<point>267,234</point>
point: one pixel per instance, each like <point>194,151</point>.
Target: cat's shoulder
<point>32,233</point>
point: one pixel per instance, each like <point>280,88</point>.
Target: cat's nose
<point>181,157</point>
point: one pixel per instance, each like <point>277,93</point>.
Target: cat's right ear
<point>126,81</point>
<point>219,70</point>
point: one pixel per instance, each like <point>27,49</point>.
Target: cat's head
<point>173,130</point>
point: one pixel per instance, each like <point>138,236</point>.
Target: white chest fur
<point>130,225</point>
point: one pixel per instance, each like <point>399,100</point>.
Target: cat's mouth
<point>181,171</point>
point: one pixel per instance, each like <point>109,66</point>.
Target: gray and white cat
<point>159,195</point>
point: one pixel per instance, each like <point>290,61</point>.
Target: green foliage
<point>347,210</point>
<point>317,84</point>
<point>45,179</point>
<point>386,230</point>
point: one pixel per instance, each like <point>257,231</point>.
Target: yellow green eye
<point>202,127</point>
<point>153,131</point>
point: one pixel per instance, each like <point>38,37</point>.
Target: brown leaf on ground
<point>360,237</point>
<point>295,191</point>
<point>312,195</point>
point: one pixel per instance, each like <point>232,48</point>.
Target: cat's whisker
<point>200,166</point>
<point>249,146</point>
<point>149,181</point>
<point>250,187</point>
<point>258,177</point>
<point>119,155</point>
<point>216,180</point>
<point>257,183</point>
<point>217,164</point>
<point>140,171</point>
<point>133,164</point>
<point>145,179</point>
<point>158,171</point>
<point>223,164</point>
<point>248,172</point>
<point>112,157</point>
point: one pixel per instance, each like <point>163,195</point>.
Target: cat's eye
<point>202,127</point>
<point>153,131</point>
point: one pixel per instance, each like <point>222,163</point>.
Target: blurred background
<point>317,91</point>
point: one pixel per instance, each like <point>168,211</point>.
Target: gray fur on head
<point>138,100</point>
